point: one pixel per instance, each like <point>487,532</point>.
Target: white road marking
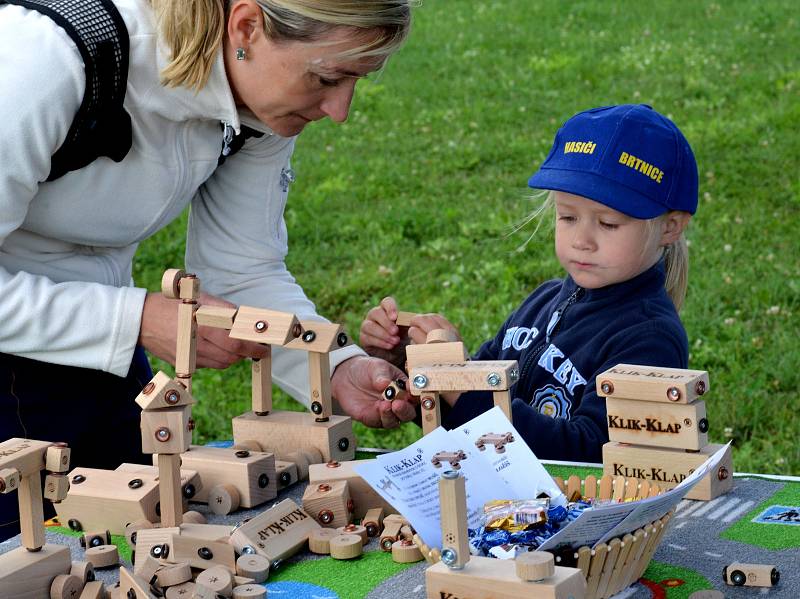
<point>678,547</point>
<point>690,509</point>
<point>680,525</point>
<point>724,508</point>
<point>684,503</point>
<point>709,506</point>
<point>708,553</point>
<point>418,588</point>
<point>738,511</point>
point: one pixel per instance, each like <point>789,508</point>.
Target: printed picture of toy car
<point>498,440</point>
<point>454,457</point>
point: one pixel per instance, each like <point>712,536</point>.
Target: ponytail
<point>676,261</point>
<point>192,30</point>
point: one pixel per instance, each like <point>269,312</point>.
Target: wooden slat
<point>219,317</point>
<point>614,585</point>
<point>652,536</point>
<point>605,487</point>
<point>614,548</point>
<point>584,557</point>
<point>560,482</point>
<point>261,387</point>
<point>596,569</point>
<point>31,513</point>
<point>619,488</point>
<point>590,487</point>
<point>631,488</point>
<point>654,490</point>
<point>573,488</point>
<point>644,489</point>
<point>634,556</point>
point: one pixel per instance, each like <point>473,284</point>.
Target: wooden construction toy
<point>253,566</point>
<point>363,495</point>
<point>390,534</point>
<point>276,533</point>
<point>499,441</point>
<point>319,541</point>
<point>459,575</point>
<point>404,318</point>
<point>668,467</point>
<point>394,389</point>
<point>650,383</point>
<point>372,521</point>
<point>102,556</point>
<point>428,381</point>
<point>750,575</point>
<point>200,552</point>
<point>355,529</point>
<point>451,457</point>
<point>680,426</point>
<point>346,546</point>
<point>329,503</point>
<point>405,551</point>
<point>285,473</point>
<point>163,392</point>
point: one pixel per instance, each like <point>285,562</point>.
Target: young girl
<point>623,181</point>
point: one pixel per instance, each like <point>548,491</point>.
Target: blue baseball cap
<point>628,157</point>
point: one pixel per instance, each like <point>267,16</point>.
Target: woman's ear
<point>674,224</point>
<point>245,21</point>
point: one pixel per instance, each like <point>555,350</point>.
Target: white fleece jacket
<point>66,247</point>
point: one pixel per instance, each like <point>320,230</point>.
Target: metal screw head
<point>722,473</point>
<point>702,425</point>
<point>248,550</point>
<point>449,556</point>
<point>332,464</point>
<point>263,481</point>
<point>386,544</point>
<point>450,474</point>
<point>700,387</point>
<point>323,488</point>
<point>78,479</point>
<point>135,483</point>
<point>172,397</point>
<point>343,444</point>
<point>285,478</point>
<point>297,330</point>
<point>189,491</point>
<point>325,517</point>
<point>341,339</point>
<point>74,525</point>
<point>428,403</point>
<point>372,529</point>
<point>162,434</point>
<point>420,381</point>
<point>389,393</point>
<point>673,394</point>
<point>131,594</point>
<point>493,379</point>
<point>148,388</point>
<point>242,453</point>
<point>205,553</point>
<point>260,326</point>
<point>607,387</point>
<point>309,336</point>
<point>159,551</point>
<point>96,542</point>
<point>316,407</point>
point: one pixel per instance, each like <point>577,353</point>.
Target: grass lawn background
<point>415,195</point>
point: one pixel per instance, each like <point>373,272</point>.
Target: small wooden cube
<point>651,383</point>
<point>751,575</point>
<point>9,480</point>
<point>57,458</point>
<point>329,503</point>
<point>166,430</point>
<point>164,392</point>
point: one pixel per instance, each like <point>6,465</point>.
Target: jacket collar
<point>653,278</point>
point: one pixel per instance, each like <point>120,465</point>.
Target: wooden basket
<point>613,566</point>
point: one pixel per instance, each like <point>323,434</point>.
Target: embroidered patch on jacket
<point>779,514</point>
<point>552,401</point>
<point>287,178</point>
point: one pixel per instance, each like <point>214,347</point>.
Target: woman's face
<point>288,84</point>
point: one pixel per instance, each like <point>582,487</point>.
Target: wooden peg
<point>535,565</point>
<point>262,384</point>
<point>319,379</point>
<point>319,540</point>
<point>169,489</point>
<point>66,586</point>
<point>346,546</point>
<point>218,579</point>
<point>404,318</point>
<point>442,336</point>
<point>218,317</point>
<point>102,556</point>
<point>422,354</point>
<point>253,566</point>
<point>502,399</point>
<point>405,551</point>
<point>373,521</point>
<point>9,480</point>
<point>56,487</point>
<point>453,516</point>
<point>31,512</point>
<point>431,411</point>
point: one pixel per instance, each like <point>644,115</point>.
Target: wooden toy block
<point>200,553</point>
<point>453,516</point>
<point>682,426</point>
<point>152,542</point>
<point>535,565</point>
<point>265,326</point>
<point>423,354</point>
<point>497,440</point>
<point>329,503</point>
<point>219,317</point>
<point>431,411</point>
<point>217,579</point>
<point>441,336</point>
<point>253,566</point>
<point>190,480</point>
<point>249,591</point>
<point>276,533</point>
<point>169,576</point>
<point>404,318</point>
<point>394,389</point>
<point>668,467</point>
<point>750,575</point>
<point>489,578</point>
<point>188,287</point>
<point>169,489</point>
<point>346,547</point>
<point>372,520</point>
<point>283,432</point>
<point>483,375</point>
<point>132,586</point>
<point>102,556</point>
<point>167,430</point>
<point>66,586</point>
<point>95,539</point>
<point>94,589</point>
<point>650,383</point>
<point>405,551</point>
<point>31,512</point>
<point>26,456</point>
<point>57,458</point>
<point>251,473</point>
<point>261,370</point>
<point>164,392</point>
<point>390,534</point>
<point>361,492</point>
<point>186,352</point>
<point>300,460</point>
<point>56,487</point>
<point>354,529</point>
<point>319,541</point>
<point>83,570</point>
<point>9,480</point>
<point>29,575</point>
<point>286,473</point>
<point>320,337</point>
<point>319,380</point>
<point>108,500</point>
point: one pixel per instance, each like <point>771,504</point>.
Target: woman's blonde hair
<point>676,255</point>
<point>194,29</point>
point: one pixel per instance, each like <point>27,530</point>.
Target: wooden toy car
<point>498,440</point>
<point>454,457</point>
<point>751,575</point>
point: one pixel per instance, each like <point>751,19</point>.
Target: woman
<point>202,73</point>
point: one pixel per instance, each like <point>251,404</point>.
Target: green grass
<point>415,194</point>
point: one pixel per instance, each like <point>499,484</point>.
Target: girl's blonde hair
<point>676,255</point>
<point>194,29</point>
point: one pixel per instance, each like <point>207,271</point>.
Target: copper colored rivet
<point>325,516</point>
<point>162,434</point>
<point>428,404</point>
<point>673,394</point>
<point>687,422</point>
<point>332,464</point>
<point>722,473</point>
<point>260,326</point>
<point>607,387</point>
<point>297,330</point>
<point>351,507</point>
<point>406,542</point>
<point>172,397</point>
<point>350,527</point>
<point>148,388</point>
<point>700,387</point>
<point>190,424</point>
<point>324,487</point>
<point>60,444</point>
<point>2,485</point>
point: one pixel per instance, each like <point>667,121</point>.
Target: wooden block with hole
<point>251,473</point>
<point>218,317</point>
<point>477,375</point>
<point>56,487</point>
<point>363,495</point>
<point>108,500</point>
<point>329,503</point>
<point>489,578</point>
<point>668,467</point>
<point>164,392</point>
<point>286,473</point>
<point>423,354</point>
<point>26,456</point>
<point>681,426</point>
<point>152,545</point>
<point>191,483</point>
<point>29,575</point>
<point>166,430</point>
<point>282,432</point>
<point>650,383</point>
<point>320,337</point>
<point>131,585</point>
<point>265,326</point>
<point>57,459</point>
<point>277,533</point>
<point>201,553</point>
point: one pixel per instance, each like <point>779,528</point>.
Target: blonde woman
<point>216,93</point>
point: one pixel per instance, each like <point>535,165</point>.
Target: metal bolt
<point>323,488</point>
<point>450,474</point>
<point>673,394</point>
<point>343,444</point>
<point>263,481</point>
<point>190,424</point>
<point>316,407</point>
<point>449,558</point>
<point>260,326</point>
<point>172,397</point>
<point>309,336</point>
<point>78,479</point>
<point>162,434</point>
<point>297,330</point>
<point>341,339</point>
<point>205,553</point>
<point>703,425</point>
<point>428,403</point>
<point>248,550</point>
<point>285,478</point>
<point>722,473</point>
<point>189,491</point>
<point>513,375</point>
<point>700,387</point>
<point>148,388</point>
<point>325,516</point>
<point>389,393</point>
<point>607,387</point>
<point>242,453</point>
<point>420,381</point>
<point>493,379</point>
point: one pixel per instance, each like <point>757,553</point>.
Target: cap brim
<point>600,189</point>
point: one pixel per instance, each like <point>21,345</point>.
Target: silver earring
<point>240,54</point>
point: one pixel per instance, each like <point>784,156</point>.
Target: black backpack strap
<point>101,126</point>
<point>232,143</point>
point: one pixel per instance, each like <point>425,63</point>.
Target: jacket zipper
<point>552,327</point>
<point>227,137</point>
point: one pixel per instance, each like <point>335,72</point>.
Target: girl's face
<point>599,246</point>
<point>289,84</point>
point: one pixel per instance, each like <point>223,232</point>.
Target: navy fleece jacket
<point>563,336</point>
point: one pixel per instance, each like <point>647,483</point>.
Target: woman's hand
<point>215,349</point>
